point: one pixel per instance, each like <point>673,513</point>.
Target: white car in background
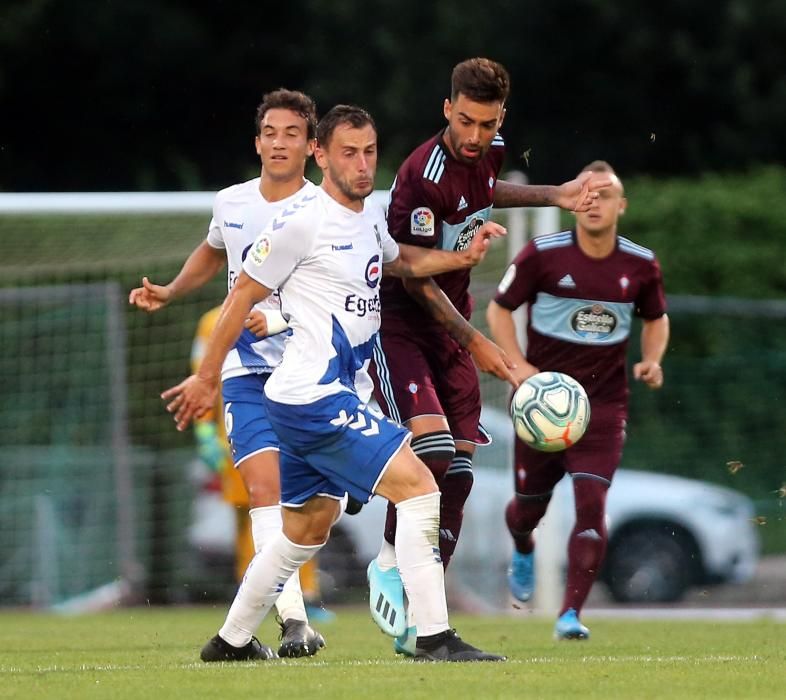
<point>666,533</point>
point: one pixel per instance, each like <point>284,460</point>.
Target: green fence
<point>96,484</point>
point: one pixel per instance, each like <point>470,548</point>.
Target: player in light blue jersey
<point>285,139</point>
<point>325,253</point>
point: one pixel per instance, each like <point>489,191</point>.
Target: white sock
<point>265,525</point>
<point>410,616</point>
<point>262,584</point>
<point>386,559</point>
<point>417,551</point>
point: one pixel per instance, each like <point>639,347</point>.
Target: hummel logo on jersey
<point>348,246</point>
<point>232,224</point>
<point>567,282</point>
<point>462,203</point>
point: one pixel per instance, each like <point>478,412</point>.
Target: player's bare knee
<point>262,495</point>
<point>406,477</point>
<point>422,485</point>
<point>261,478</point>
<point>307,532</point>
<point>310,524</point>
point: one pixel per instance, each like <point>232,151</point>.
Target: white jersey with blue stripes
<point>240,214</point>
<point>326,261</point>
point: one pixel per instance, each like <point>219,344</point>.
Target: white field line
<point>711,614</point>
<point>541,660</point>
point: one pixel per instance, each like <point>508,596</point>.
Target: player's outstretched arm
<point>503,330</point>
<point>196,395</point>
<point>414,261</point>
<point>654,340</point>
<point>574,195</point>
<point>487,356</point>
<point>199,268</point>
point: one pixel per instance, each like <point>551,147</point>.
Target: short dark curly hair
<point>294,100</point>
<point>481,80</point>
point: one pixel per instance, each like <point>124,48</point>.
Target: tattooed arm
<point>487,356</point>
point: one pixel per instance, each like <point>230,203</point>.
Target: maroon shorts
<point>596,455</point>
<point>426,374</point>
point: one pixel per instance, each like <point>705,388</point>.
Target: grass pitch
<point>153,654</point>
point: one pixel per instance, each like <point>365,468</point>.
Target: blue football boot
<point>569,627</point>
<point>386,599</point>
<point>406,643</point>
<point>521,576</point>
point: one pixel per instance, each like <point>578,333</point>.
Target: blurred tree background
<point>686,100</point>
<point>106,95</point>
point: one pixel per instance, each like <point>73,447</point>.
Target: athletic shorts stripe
<point>385,386</point>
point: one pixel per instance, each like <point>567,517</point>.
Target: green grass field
<point>153,654</point>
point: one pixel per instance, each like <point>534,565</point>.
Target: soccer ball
<point>550,411</point>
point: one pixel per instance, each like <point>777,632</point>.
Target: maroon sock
<point>587,543</point>
<point>455,489</point>
<point>436,450</point>
<point>390,524</point>
<point>522,515</point>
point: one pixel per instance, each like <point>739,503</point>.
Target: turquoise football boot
<point>569,627</point>
<point>386,599</point>
<point>406,643</point>
<point>521,576</point>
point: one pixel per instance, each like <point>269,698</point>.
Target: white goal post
<point>65,208</point>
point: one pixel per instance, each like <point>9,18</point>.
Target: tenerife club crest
<point>373,271</point>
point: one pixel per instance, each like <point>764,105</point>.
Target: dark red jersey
<point>439,202</point>
<point>581,308</point>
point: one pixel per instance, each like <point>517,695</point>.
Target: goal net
<point>101,499</point>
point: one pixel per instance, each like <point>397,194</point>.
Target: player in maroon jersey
<point>425,377</point>
<point>582,289</point>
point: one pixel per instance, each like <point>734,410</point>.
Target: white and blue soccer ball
<point>550,411</point>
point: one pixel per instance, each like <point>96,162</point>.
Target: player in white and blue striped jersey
<point>286,130</point>
<point>325,253</point>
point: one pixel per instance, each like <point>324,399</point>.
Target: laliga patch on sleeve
<point>507,279</point>
<point>422,222</point>
<point>260,250</point>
